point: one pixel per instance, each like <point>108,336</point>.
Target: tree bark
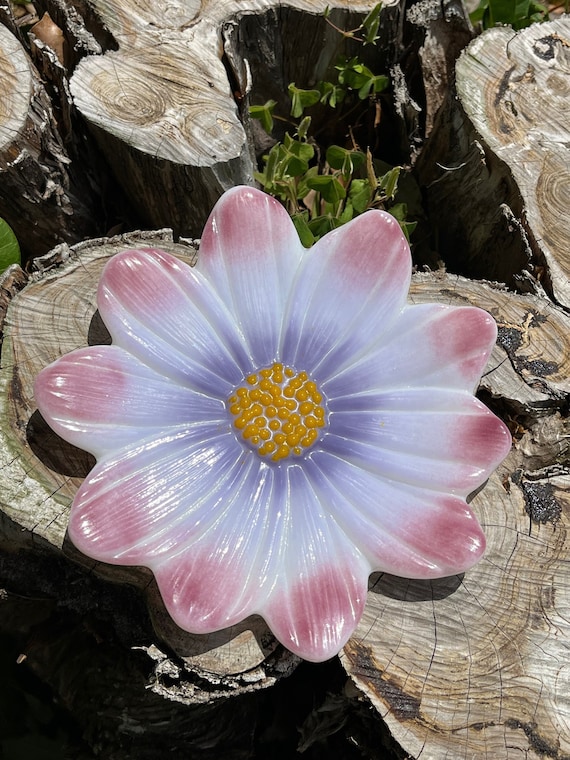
<point>169,106</point>
<point>44,196</point>
<point>500,152</point>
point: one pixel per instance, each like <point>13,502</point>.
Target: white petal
<point>350,287</point>
<point>429,345</point>
<point>103,399</point>
<point>250,251</point>
<point>166,314</point>
<point>403,530</point>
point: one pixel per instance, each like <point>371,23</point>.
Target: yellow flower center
<point>278,411</point>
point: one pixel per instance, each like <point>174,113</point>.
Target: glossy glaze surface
<point>227,530</point>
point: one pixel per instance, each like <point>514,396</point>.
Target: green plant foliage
<point>265,114</point>
<point>367,32</point>
<point>331,94</point>
<point>9,248</point>
<point>371,24</point>
<point>301,99</point>
<point>323,187</point>
<point>515,13</point>
<point>356,76</point>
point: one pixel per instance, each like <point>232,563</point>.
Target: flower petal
<point>277,554</point>
<point>102,399</point>
<point>442,440</point>
<point>250,251</point>
<point>165,313</point>
<point>402,530</point>
<point>321,589</point>
<point>350,287</point>
<point>226,573</point>
<point>433,345</point>
<point>147,501</point>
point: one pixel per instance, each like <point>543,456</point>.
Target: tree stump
<point>463,668</point>
<point>477,666</point>
<point>500,151</point>
<point>44,196</point>
<point>169,106</point>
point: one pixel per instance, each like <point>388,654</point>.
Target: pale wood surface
<point>477,666</point>
<point>17,85</point>
<point>40,473</point>
<point>460,669</point>
<point>169,106</point>
<point>165,91</point>
<point>43,195</point>
<point>456,667</point>
<point>515,89</point>
<point>495,169</point>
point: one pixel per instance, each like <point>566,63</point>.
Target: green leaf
<point>408,228</point>
<point>371,24</point>
<point>358,77</point>
<point>320,225</point>
<point>389,182</point>
<point>373,85</point>
<point>479,12</point>
<point>265,114</point>
<point>502,11</point>
<point>399,211</point>
<point>271,164</point>
<point>347,213</point>
<point>303,128</point>
<point>297,155</point>
<point>360,194</point>
<point>344,160</point>
<point>9,248</point>
<point>328,186</point>
<point>331,94</point>
<point>303,230</point>
<point>301,99</point>
<point>302,188</point>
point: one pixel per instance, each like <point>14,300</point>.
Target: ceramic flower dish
<point>276,423</point>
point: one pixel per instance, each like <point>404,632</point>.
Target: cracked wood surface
<point>169,105</point>
<point>496,168</point>
<point>476,666</point>
<point>455,667</point>
<point>515,89</point>
<point>43,194</point>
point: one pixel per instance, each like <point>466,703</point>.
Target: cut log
<point>476,666</point>
<point>43,196</point>
<point>496,168</point>
<point>169,106</point>
<point>45,471</point>
<point>465,668</point>
<point>515,90</point>
<point>417,642</point>
<point>39,474</point>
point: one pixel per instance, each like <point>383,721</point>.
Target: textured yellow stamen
<point>279,411</point>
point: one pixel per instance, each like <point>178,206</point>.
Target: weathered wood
<point>40,473</point>
<point>43,196</point>
<point>470,619</point>
<point>169,106</point>
<point>515,90</point>
<point>444,30</point>
<point>496,168</point>
<point>121,696</point>
<point>465,668</point>
<point>476,666</point>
